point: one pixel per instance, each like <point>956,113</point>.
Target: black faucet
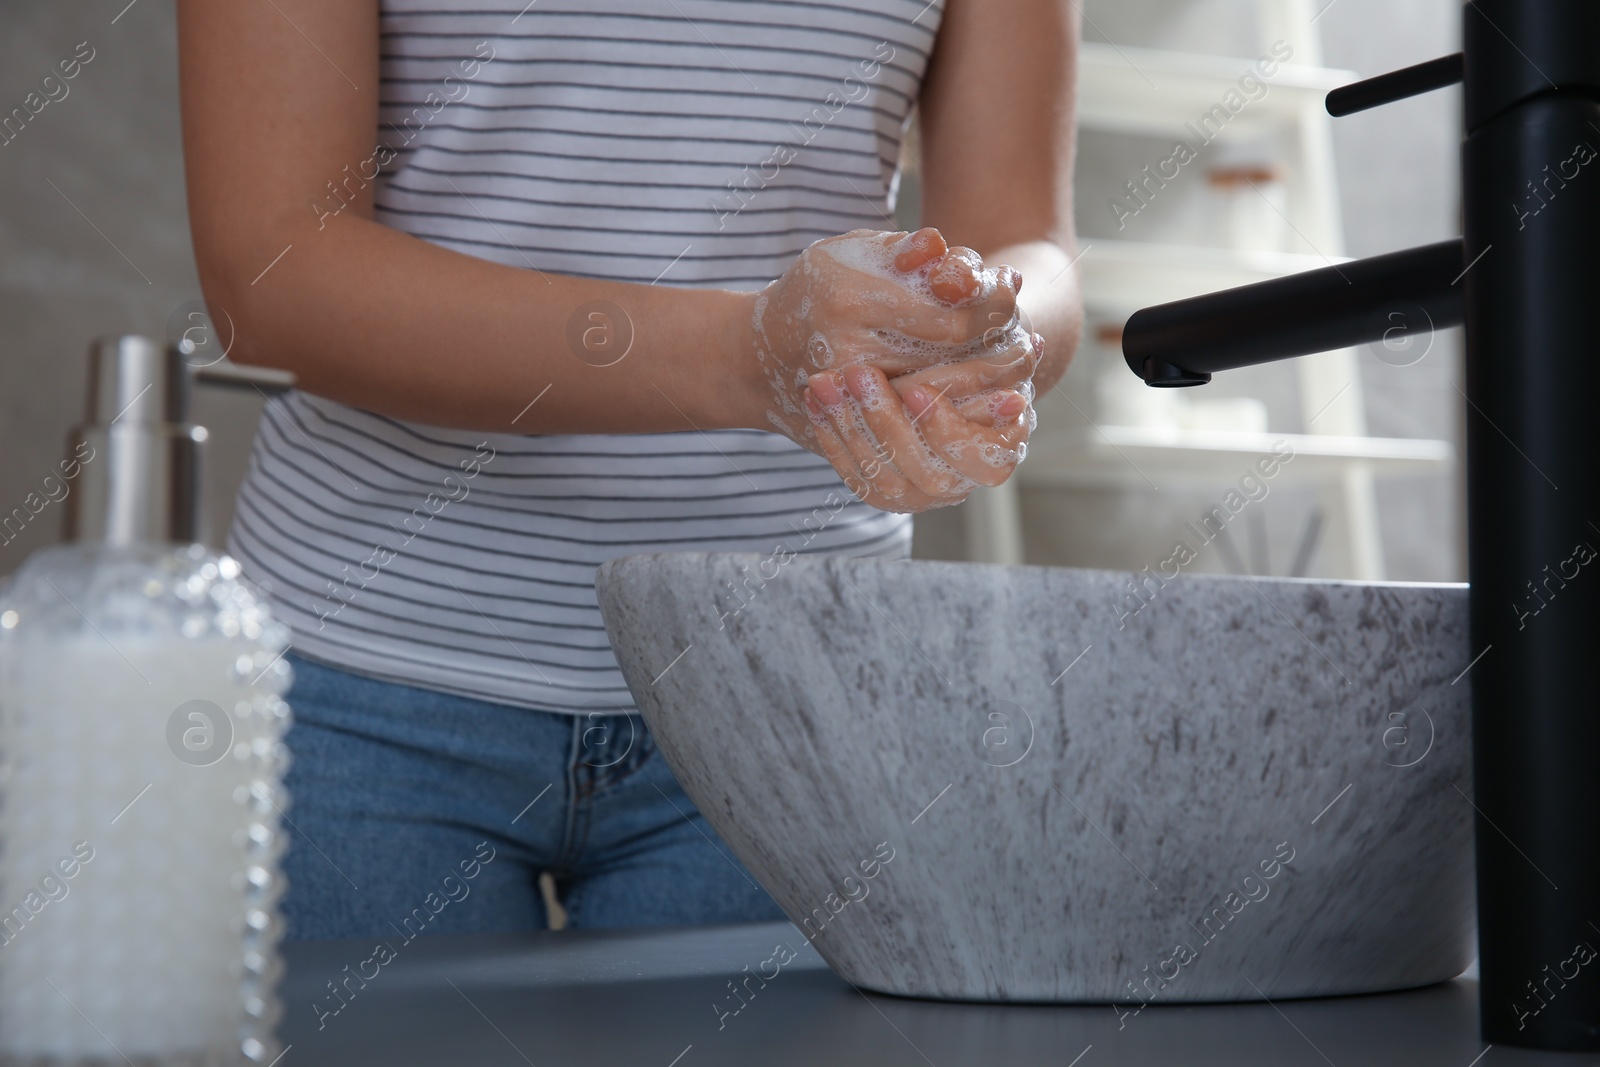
<point>1525,281</point>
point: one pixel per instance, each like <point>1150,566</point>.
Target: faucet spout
<point>1185,342</point>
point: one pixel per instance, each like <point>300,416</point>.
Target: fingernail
<point>812,405</point>
<point>854,381</point>
<point>1010,406</point>
<point>918,401</point>
<point>826,390</point>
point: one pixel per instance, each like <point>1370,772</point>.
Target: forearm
<point>998,134</point>
<point>370,316</point>
<point>1051,301</point>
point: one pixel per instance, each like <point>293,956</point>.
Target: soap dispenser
<point>141,757</point>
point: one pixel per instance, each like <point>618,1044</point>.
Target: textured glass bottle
<point>141,740</point>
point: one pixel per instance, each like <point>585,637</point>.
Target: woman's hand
<point>900,303</point>
<point>916,449</point>
<point>902,361</point>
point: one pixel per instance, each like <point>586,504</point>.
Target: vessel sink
<point>982,782</point>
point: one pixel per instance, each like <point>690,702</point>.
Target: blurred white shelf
<point>1168,95</point>
<point>1133,457</point>
<point>1153,92</point>
<point>1120,277</point>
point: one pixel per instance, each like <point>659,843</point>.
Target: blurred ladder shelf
<point>1153,93</point>
<point>1127,271</point>
<point>1124,456</point>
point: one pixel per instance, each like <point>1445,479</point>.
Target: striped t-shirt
<point>699,143</point>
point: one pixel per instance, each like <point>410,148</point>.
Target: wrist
<point>740,387</point>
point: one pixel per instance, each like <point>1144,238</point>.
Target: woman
<point>542,273</point>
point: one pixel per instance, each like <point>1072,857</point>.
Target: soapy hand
<point>921,451</point>
<point>902,361</point>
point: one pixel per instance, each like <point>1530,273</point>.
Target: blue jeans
<point>413,811</point>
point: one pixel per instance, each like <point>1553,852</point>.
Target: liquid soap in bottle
<point>141,758</point>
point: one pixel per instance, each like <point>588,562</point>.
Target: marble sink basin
<point>979,782</point>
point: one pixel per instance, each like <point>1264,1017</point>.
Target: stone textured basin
<point>1022,784</point>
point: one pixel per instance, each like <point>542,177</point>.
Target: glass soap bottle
<point>141,757</point>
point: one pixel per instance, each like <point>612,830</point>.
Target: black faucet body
<point>1525,281</point>
<point>1531,200</point>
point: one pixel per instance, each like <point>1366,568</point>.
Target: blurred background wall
<point>94,237</point>
<point>93,240</point>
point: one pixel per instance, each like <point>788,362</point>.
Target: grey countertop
<point>660,998</point>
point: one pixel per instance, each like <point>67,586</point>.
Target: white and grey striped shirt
<point>691,142</point>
